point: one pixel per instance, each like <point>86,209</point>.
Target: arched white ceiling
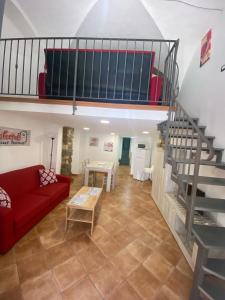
<point>66,18</point>
<point>57,18</point>
<point>16,22</point>
<point>122,19</point>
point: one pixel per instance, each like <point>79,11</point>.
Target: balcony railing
<point>89,69</point>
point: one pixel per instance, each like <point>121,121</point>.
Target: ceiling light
<point>105,122</point>
<point>145,132</point>
<point>86,128</point>
<point>112,133</point>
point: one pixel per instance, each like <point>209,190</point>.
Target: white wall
<point>83,151</point>
<point>203,89</point>
<point>15,157</point>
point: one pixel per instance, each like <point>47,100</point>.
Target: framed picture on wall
<point>108,146</point>
<point>93,142</point>
<point>206,46</point>
<point>14,137</point>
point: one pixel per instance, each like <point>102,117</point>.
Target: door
<point>125,157</point>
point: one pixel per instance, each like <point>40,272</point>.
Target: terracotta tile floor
<point>130,256</point>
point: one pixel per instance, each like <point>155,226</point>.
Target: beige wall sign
<point>14,137</point>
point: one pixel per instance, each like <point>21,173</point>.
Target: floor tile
<point>135,229</point>
<point>32,266</point>
<point>159,231</point>
<point>84,290</point>
<point>14,294</point>
<point>139,250</point>
<point>27,248</point>
<point>91,258</point>
<point>58,254</point>
<point>40,288</point>
<point>106,278</point>
<point>172,254</point>
<point>124,292</point>
<point>8,278</point>
<point>80,242</point>
<point>99,233</point>
<point>52,238</point>
<point>150,240</point>
<point>112,226</point>
<point>123,219</point>
<point>46,226</point>
<point>7,259</point>
<point>179,284</point>
<point>125,262</point>
<point>158,266</point>
<point>184,267</point>
<point>108,246</point>
<point>165,294</point>
<point>144,282</point>
<point>68,273</point>
<point>103,218</point>
<point>145,222</point>
<point>123,238</point>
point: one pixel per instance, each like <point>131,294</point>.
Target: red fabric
<point>5,200</point>
<point>6,229</point>
<point>63,178</point>
<point>22,181</point>
<point>30,203</point>
<point>156,90</point>
<point>27,206</point>
<point>54,190</point>
<point>41,85</point>
<point>47,176</point>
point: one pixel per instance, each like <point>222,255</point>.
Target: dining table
<point>102,167</point>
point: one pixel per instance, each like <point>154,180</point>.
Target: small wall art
<point>206,46</point>
<point>14,137</point>
<point>108,146</point>
<point>93,142</point>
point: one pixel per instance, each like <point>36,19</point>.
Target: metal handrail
<point>88,38</point>
<point>202,136</point>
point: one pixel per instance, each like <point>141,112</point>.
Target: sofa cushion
<point>47,176</point>
<point>5,200</point>
<point>54,190</point>
<point>27,206</point>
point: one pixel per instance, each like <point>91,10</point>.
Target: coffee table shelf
<point>81,207</point>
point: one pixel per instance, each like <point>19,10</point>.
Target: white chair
<point>113,177</point>
<point>91,173</point>
<point>147,172</point>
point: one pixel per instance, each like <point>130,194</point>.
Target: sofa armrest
<point>63,178</point>
<point>6,229</point>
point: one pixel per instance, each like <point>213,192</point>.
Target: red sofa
<point>29,202</point>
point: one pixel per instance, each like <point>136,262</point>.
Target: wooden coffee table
<point>81,208</point>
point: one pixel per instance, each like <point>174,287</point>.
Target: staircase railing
<point>184,143</point>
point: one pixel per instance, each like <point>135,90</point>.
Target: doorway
<point>125,156</point>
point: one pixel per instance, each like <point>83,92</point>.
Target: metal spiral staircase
<point>188,150</point>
